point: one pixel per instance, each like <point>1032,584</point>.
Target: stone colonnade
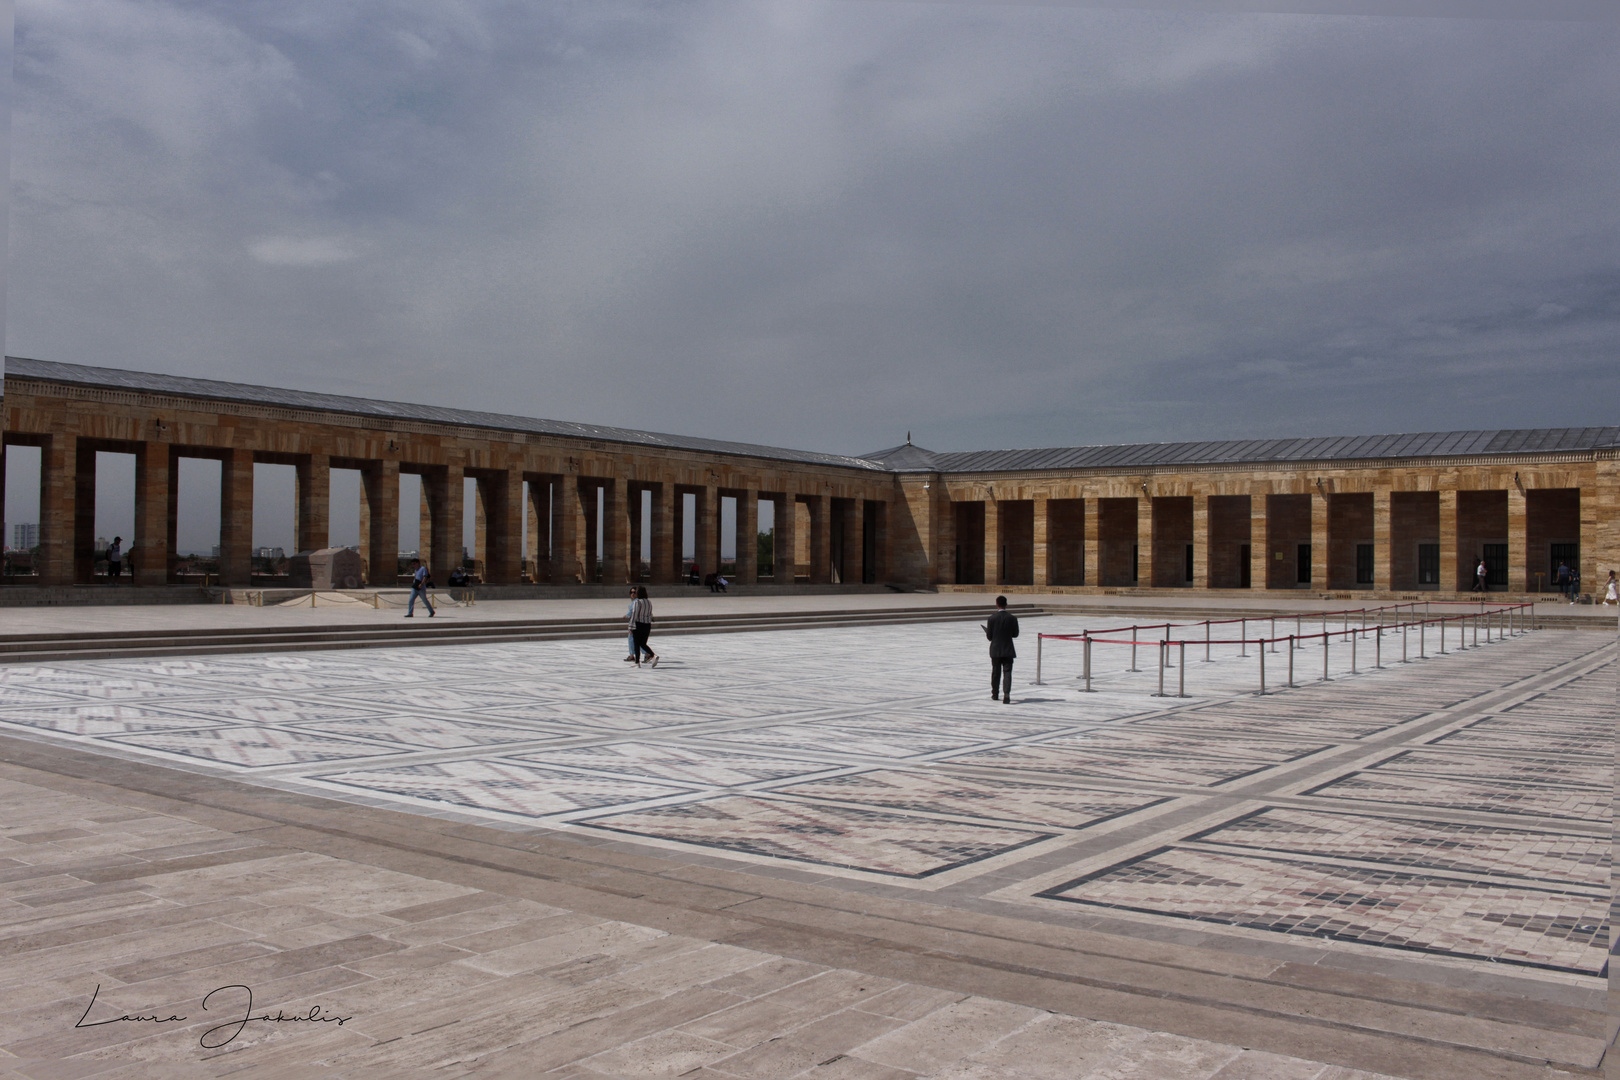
<point>576,488</point>
<point>1367,526</point>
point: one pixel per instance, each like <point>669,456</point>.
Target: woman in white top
<point>1611,595</point>
<point>641,626</point>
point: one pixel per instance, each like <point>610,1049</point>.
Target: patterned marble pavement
<point>1454,809</point>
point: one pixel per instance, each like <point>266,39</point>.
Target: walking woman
<point>641,625</point>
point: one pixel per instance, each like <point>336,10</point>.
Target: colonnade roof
<point>899,459</point>
<point>212,390</point>
<point>1428,444</point>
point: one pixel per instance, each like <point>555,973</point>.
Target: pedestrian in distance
<point>421,582</point>
<point>115,560</point>
<point>641,626</point>
<point>1000,630</point>
<point>694,576</point>
<point>1562,578</point>
<point>1480,574</point>
<point>1611,592</point>
<point>1574,584</point>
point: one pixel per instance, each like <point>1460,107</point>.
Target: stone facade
<point>1374,526</point>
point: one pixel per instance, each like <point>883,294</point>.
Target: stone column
<point>820,539</point>
<point>481,512</point>
<point>1259,542</point>
<point>152,540</point>
<point>1144,542</point>
<point>58,465</point>
<point>748,536</point>
<point>1518,542</point>
<point>567,530</point>
<point>1382,555</point>
<point>1043,569</point>
<point>1091,542</point>
<point>1448,541</point>
<point>236,518</point>
<point>1201,540</point>
<point>538,552</point>
<point>666,556</point>
<point>504,527</point>
<point>443,488</point>
<point>312,530</point>
<point>1320,504</point>
<point>992,541</point>
<point>1594,574</point>
<point>787,538</point>
<point>706,534</point>
<point>615,534</point>
<point>855,542</point>
<point>379,542</point>
<point>637,529</point>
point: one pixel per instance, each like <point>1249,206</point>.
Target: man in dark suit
<point>1001,629</point>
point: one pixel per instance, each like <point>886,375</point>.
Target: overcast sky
<point>822,224</point>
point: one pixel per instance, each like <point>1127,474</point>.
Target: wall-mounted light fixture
<point>1144,487</point>
<point>1320,488</point>
<point>1518,483</point>
<point>393,447</point>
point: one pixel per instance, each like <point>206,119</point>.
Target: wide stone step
<point>57,647</point>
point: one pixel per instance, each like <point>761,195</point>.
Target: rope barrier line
<point>1507,620</point>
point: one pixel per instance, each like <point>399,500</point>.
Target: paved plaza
<point>1418,854</point>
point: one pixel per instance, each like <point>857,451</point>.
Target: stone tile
<point>947,1034</point>
<point>667,1054</point>
<point>807,1046</point>
<point>910,1002</point>
<point>1258,1065</point>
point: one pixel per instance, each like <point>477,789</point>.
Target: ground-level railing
<point>1504,620</point>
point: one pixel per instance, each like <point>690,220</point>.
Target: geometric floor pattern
<point>1456,807</point>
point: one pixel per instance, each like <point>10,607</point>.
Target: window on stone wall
<point>1364,564</point>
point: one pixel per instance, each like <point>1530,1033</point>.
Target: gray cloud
<point>823,224</point>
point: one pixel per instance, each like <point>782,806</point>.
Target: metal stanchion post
<point>1442,635</point>
<point>1298,633</point>
<point>1182,688</point>
<point>1325,658</point>
<point>1353,638</point>
<point>1164,649</point>
<point>1476,629</point>
<point>1273,636</point>
<point>1087,661</point>
<point>1133,648</point>
<point>1405,630</point>
<point>1423,634</point>
<point>1039,638</point>
<point>1378,648</point>
<point>1262,669</point>
<point>1290,662</point>
<point>1243,639</point>
<point>1206,641</point>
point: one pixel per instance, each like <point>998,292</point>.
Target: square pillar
<point>748,537</point>
<point>567,531</point>
<point>820,538</point>
<point>1319,540</point>
<point>537,549</point>
<point>442,488</point>
<point>379,539</point>
<point>994,571</point>
<point>152,540</point>
<point>1448,542</point>
<point>1042,573</point>
<point>312,529</point>
<point>615,533</point>
<point>706,533</point>
<point>1090,542</point>
<point>855,542</point>
<point>503,544</point>
<point>1144,542</point>
<point>1382,560</point>
<point>1259,542</point>
<point>666,557</point>
<point>236,518</point>
<point>1594,574</point>
<point>787,538</point>
<point>58,468</point>
<point>1518,541</point>
<point>1201,540</point>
